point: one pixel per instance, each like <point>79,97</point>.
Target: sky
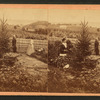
<point>27,16</point>
<point>23,16</point>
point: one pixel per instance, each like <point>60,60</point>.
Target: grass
<point>14,78</point>
<point>73,81</point>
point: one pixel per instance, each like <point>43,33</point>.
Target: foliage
<point>77,55</point>
<point>56,32</point>
<point>53,51</point>
<point>82,47</point>
<point>73,81</point>
<point>4,38</point>
<point>13,77</point>
<point>28,35</point>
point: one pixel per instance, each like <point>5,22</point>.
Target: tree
<point>4,38</point>
<point>82,47</point>
<point>83,44</point>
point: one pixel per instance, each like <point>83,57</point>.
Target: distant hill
<point>38,24</point>
<point>46,24</point>
<point>58,29</point>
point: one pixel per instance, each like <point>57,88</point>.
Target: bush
<point>53,51</point>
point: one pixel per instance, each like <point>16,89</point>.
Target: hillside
<point>69,27</point>
<point>20,33</point>
<point>40,30</point>
<point>38,24</point>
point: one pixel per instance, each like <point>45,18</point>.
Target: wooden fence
<point>73,40</point>
<point>91,45</point>
<point>22,44</point>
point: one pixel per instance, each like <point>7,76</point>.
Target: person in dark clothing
<point>63,60</point>
<point>14,43</point>
<point>63,47</point>
<point>96,47</point>
<point>69,46</point>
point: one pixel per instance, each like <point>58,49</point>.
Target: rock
<point>66,66</point>
<point>14,82</point>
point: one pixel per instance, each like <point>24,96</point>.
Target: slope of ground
<point>26,74</point>
<point>74,81</point>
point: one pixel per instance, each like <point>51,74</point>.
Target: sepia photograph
<point>23,50</point>
<point>74,51</point>
<point>49,49</point>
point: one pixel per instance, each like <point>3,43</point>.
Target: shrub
<point>53,51</point>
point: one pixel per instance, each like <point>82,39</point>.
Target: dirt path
<point>36,68</point>
<point>32,64</point>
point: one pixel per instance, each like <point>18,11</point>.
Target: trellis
<point>22,44</point>
<point>73,40</point>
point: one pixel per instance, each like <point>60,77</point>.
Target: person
<point>96,47</point>
<point>69,46</point>
<point>14,43</point>
<point>30,48</point>
<point>62,58</point>
<point>63,47</point>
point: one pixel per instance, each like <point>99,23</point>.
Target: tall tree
<point>83,44</point>
<point>82,47</point>
<point>4,38</point>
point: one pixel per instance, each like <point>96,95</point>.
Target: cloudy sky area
<point>27,16</point>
